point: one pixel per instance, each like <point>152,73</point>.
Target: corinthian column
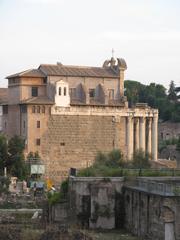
<point>155,138</point>
<point>149,137</point>
<point>136,142</point>
<point>142,134</point>
<point>130,137</point>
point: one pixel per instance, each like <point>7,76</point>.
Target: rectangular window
<point>23,108</point>
<point>38,124</point>
<point>92,93</point>
<point>5,109</point>
<point>34,91</point>
<point>64,91</point>
<point>38,109</point>
<point>38,141</point>
<point>44,80</point>
<point>111,94</point>
<point>43,109</point>
<point>33,109</point>
<point>59,91</point>
<point>73,93</point>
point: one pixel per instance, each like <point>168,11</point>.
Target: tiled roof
<point>64,70</point>
<point>3,95</point>
<point>38,100</point>
<point>76,71</point>
<point>28,73</point>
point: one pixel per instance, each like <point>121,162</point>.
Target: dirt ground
<point>17,233</point>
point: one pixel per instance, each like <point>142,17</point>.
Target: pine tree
<point>172,92</point>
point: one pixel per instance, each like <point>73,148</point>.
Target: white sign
<point>37,169</point>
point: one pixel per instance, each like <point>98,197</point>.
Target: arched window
<point>64,91</point>
<point>59,91</point>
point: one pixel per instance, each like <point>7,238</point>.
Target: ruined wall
<point>149,215</point>
<point>93,202</point>
<point>168,130</point>
<point>171,153</point>
<point>73,141</point>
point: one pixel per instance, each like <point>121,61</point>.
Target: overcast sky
<point>146,33</point>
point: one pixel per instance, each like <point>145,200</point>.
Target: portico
<point>141,133</point>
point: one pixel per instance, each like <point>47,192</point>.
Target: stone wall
<point>170,153</point>
<point>73,141</point>
<point>152,216</point>
<point>59,213</point>
<point>96,202</point>
<point>168,130</point>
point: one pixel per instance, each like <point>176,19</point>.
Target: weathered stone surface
<point>73,141</point>
<point>93,201</point>
<point>148,215</point>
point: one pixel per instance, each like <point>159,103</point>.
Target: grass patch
<point>111,234</point>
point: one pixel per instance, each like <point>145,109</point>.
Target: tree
<point>3,152</point>
<point>156,97</point>
<point>16,162</point>
<point>172,92</point>
<point>113,159</point>
<point>178,145</point>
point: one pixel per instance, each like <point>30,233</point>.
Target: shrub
<point>112,159</point>
<point>54,198</point>
<point>115,158</point>
<point>4,185</point>
<point>140,159</point>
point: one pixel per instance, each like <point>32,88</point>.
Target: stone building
<point>148,207</point>
<point>152,208</point>
<point>169,130</point>
<point>3,99</point>
<point>69,113</point>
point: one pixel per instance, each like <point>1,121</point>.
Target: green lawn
<point>111,235</point>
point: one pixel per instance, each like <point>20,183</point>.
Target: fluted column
<point>130,137</point>
<point>142,134</point>
<point>149,136</point>
<point>136,137</point>
<point>155,137</point>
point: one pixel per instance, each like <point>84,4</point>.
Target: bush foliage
<point>114,165</point>
<point>12,157</point>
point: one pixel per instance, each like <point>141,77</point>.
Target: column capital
<point>142,119</point>
<point>149,121</point>
<point>129,118</point>
<point>136,120</point>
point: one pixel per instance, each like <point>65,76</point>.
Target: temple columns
<point>130,137</point>
<point>136,137</point>
<point>149,136</point>
<point>155,138</point>
<point>142,134</point>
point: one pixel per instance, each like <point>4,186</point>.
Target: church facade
<point>69,113</point>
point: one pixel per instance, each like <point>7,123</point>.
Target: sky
<point>146,33</point>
